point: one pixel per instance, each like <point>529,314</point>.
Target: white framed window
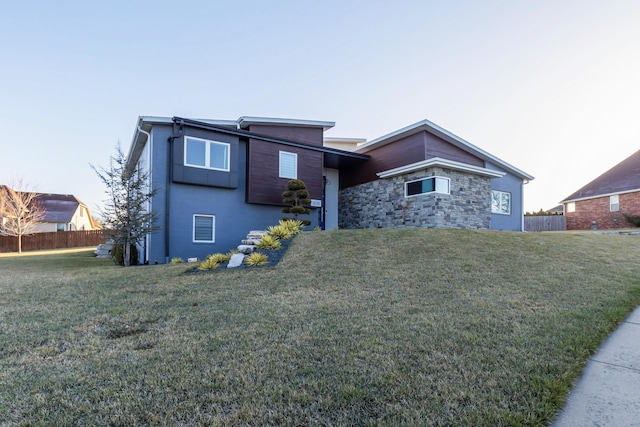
<point>571,207</point>
<point>204,228</point>
<point>288,165</point>
<point>500,202</point>
<point>202,153</point>
<point>614,203</point>
<point>434,184</point>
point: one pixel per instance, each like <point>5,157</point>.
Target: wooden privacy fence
<point>545,223</point>
<point>54,240</point>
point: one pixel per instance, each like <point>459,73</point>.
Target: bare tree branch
<point>20,210</point>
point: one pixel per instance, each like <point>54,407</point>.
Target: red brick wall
<point>597,210</point>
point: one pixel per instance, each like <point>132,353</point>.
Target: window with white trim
<point>614,203</point>
<point>202,153</point>
<point>288,165</point>
<point>204,228</point>
<point>571,207</point>
<point>434,184</point>
<point>500,202</point>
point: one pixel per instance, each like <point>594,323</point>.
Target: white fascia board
<point>597,196</point>
<point>146,124</point>
<point>432,128</point>
<point>245,121</point>
<point>345,140</point>
<point>438,162</point>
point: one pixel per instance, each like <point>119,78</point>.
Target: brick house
<point>603,202</point>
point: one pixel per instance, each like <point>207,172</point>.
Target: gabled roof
<point>58,207</point>
<point>432,128</point>
<point>622,178</point>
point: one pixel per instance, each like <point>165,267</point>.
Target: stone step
<point>246,249</point>
<point>252,242</point>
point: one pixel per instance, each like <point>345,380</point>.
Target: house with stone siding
<point>219,179</point>
<point>603,202</point>
<point>425,176</point>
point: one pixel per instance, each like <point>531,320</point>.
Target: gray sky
<point>552,87</point>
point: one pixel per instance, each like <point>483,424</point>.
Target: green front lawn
<point>362,327</point>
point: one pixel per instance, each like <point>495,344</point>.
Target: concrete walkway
<point>608,392</point>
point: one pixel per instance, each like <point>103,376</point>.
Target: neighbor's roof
<point>622,178</point>
<point>58,207</point>
<point>432,128</point>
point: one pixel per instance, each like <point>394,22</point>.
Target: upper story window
<point>614,203</point>
<point>434,184</point>
<point>202,153</point>
<point>500,202</point>
<point>288,165</point>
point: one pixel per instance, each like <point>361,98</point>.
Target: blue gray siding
<point>513,185</point>
<point>233,217</point>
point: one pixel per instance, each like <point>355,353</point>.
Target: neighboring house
<point>63,212</point>
<point>603,202</point>
<point>219,179</point>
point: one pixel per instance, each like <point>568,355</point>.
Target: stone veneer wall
<point>382,204</point>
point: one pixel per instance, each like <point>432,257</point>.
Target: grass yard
<point>354,327</point>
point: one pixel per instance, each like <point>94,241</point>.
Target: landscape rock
<point>236,260</point>
<point>246,249</point>
<point>104,250</point>
<point>250,241</point>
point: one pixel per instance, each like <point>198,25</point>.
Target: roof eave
<point>432,128</point>
<point>597,196</point>
<point>245,121</point>
<point>439,162</point>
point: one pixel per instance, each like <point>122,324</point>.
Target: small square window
<point>196,152</point>
<point>204,228</point>
<point>288,165</point>
<point>500,202</point>
<point>219,156</point>
<point>571,207</point>
<point>614,203</point>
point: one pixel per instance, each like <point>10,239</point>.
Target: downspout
<point>524,182</point>
<point>176,133</point>
<point>149,207</point>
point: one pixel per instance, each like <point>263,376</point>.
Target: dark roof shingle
<point>625,176</point>
<point>58,207</point>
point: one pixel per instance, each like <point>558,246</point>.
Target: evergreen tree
<point>126,215</point>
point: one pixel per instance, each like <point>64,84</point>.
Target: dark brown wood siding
<point>311,135</point>
<point>399,153</point>
<point>264,185</point>
<point>437,147</point>
<point>414,148</point>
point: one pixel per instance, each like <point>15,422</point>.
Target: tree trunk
<point>127,253</point>
<point>20,243</point>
